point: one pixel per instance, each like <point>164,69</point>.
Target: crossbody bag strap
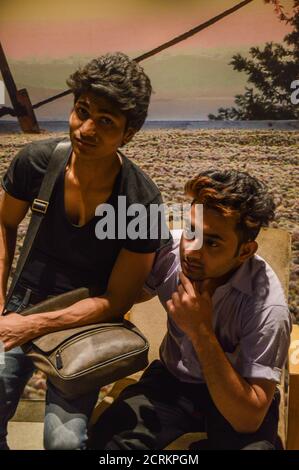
<point>39,207</point>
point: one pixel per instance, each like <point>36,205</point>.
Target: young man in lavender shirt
<point>228,331</point>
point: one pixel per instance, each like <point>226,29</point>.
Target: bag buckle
<point>39,205</point>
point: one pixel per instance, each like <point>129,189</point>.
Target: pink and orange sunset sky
<point>34,33</point>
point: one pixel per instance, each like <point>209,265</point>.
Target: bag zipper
<point>58,359</point>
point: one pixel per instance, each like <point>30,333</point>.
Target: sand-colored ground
<point>170,157</point>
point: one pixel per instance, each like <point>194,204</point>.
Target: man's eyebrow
<point>215,236</point>
<point>99,110</point>
<point>82,101</point>
<point>108,111</point>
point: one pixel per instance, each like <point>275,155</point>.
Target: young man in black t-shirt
<point>111,97</point>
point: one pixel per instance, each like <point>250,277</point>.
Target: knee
<point>259,445</point>
<point>65,437</point>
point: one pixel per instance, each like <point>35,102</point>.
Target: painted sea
<point>62,126</point>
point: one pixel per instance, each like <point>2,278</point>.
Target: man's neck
<point>220,281</point>
<point>89,171</point>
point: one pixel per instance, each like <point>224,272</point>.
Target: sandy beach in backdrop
<point>170,157</point>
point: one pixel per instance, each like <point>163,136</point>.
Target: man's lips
<point>193,266</point>
<point>84,142</point>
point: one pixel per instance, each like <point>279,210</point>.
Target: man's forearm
<point>84,312</point>
<point>122,289</point>
<point>234,397</point>
<point>8,239</point>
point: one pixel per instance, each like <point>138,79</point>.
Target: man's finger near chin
<point>196,286</point>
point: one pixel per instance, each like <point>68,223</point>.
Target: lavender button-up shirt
<point>250,318</point>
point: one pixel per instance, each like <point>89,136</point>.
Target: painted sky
<point>35,32</point>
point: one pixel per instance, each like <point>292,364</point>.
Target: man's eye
<point>81,112</point>
<point>106,121</point>
<point>212,243</point>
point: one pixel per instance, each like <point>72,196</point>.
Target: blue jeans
<point>66,421</point>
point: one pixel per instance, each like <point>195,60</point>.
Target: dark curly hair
<point>236,193</point>
<point>118,78</point>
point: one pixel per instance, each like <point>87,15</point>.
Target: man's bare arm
<point>144,296</point>
<point>243,403</point>
<point>12,212</point>
<point>126,280</point>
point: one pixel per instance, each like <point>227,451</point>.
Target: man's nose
<point>193,255</point>
<point>87,128</point>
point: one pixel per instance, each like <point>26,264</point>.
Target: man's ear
<point>247,250</point>
<point>128,135</point>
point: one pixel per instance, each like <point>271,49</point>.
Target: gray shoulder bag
<point>82,359</point>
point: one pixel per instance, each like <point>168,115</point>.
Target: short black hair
<point>118,78</point>
<point>232,192</point>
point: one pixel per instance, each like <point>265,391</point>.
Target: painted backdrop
<point>45,40</point>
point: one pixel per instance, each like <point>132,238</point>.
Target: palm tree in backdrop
<point>271,72</point>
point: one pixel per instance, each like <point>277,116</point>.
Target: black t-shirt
<point>66,256</point>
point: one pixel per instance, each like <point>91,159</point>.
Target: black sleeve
<point>151,232</point>
<point>24,175</point>
<point>16,180</point>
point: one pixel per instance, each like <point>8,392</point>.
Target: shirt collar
<point>241,279</point>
